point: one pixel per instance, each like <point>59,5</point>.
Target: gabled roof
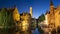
<point>47,12</point>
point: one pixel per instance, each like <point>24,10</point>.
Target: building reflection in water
<point>24,26</point>
<point>25,23</point>
<point>15,23</point>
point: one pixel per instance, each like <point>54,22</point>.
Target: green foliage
<point>2,16</point>
<point>6,20</point>
<point>41,18</point>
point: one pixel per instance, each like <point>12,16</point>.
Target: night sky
<point>39,6</point>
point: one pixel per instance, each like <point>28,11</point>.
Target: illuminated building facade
<point>25,21</point>
<point>16,14</point>
<point>53,16</point>
<point>11,18</point>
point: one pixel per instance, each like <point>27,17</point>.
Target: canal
<point>25,32</point>
<point>35,31</point>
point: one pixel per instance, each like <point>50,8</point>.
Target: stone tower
<point>31,11</point>
<point>52,16</point>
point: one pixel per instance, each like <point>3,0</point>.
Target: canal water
<point>35,31</point>
<point>32,32</point>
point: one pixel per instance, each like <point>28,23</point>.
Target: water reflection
<point>24,29</point>
<point>13,31</point>
<point>35,31</point>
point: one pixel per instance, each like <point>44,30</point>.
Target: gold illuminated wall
<point>53,16</point>
<point>47,18</point>
<point>57,16</point>
<point>25,21</point>
<point>16,15</point>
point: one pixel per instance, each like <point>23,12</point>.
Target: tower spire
<point>51,3</point>
<point>51,7</point>
<point>31,11</point>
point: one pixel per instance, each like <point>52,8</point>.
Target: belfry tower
<point>52,17</point>
<point>31,11</point>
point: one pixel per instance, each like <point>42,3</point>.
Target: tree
<point>6,20</point>
<point>41,18</point>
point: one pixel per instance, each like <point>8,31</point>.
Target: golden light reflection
<point>24,23</point>
<point>25,26</point>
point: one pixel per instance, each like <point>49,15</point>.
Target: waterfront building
<point>33,23</point>
<point>26,20</point>
<point>53,16</point>
<point>16,14</point>
<point>10,18</point>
